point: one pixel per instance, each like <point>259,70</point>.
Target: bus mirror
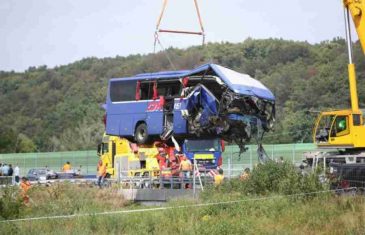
<point>99,150</point>
<point>104,119</point>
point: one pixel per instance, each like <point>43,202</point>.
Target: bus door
<point>154,110</point>
<point>180,123</point>
<point>142,94</point>
<point>168,91</point>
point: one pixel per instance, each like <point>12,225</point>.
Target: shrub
<point>269,178</point>
<point>283,178</point>
<point>10,203</point>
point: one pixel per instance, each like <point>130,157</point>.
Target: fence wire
<point>234,164</point>
<point>86,161</point>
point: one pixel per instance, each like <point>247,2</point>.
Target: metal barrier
<point>233,164</point>
<point>162,182</point>
<point>345,176</point>
<point>6,180</point>
<point>53,161</point>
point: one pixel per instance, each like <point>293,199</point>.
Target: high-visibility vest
<point>218,179</point>
<point>66,167</point>
<point>185,165</point>
<point>25,186</point>
<point>102,170</point>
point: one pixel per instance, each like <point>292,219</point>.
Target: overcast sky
<point>58,32</point>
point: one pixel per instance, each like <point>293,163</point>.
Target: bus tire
<point>141,134</point>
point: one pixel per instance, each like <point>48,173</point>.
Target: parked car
<point>41,174</point>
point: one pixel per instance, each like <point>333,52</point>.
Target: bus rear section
<point>144,110</point>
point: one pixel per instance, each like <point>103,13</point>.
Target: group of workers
<point>175,162</point>
<point>25,184</point>
<point>8,170</point>
<point>67,168</point>
<point>181,164</point>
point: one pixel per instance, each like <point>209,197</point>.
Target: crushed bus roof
<point>239,82</point>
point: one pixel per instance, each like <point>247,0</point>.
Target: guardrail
<point>6,180</point>
<point>88,159</point>
<point>174,182</point>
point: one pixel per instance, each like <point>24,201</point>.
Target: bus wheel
<point>141,134</point>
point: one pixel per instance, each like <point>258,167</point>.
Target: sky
<point>59,32</point>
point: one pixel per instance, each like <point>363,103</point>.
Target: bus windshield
<point>210,145</point>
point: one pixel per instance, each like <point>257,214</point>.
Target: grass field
<point>264,207</point>
<point>322,215</point>
<point>88,159</point>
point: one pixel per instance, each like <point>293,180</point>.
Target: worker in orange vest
<point>101,173</point>
<point>100,163</point>
<point>66,167</point>
<point>25,186</point>
<point>161,158</point>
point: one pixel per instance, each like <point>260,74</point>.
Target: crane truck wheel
<point>141,134</point>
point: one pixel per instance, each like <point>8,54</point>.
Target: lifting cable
<point>159,30</point>
<point>157,40</point>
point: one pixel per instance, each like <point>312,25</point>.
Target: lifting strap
<point>158,30</point>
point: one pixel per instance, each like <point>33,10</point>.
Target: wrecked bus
<point>210,100</point>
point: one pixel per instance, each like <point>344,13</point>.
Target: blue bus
<point>208,101</point>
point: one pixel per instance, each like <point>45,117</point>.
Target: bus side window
<point>122,91</point>
<point>138,90</point>
<point>146,90</point>
<point>155,90</point>
<point>170,88</point>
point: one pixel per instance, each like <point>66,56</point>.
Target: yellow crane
<point>345,129</point>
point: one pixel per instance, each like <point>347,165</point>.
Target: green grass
<point>279,213</point>
<point>326,214</point>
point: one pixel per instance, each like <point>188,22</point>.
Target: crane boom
<point>357,11</point>
<point>351,66</point>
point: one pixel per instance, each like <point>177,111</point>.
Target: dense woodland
<point>58,109</point>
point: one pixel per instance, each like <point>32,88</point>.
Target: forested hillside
<point>59,109</point>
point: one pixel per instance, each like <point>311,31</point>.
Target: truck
<point>206,152</point>
<point>142,160</point>
<point>134,160</point>
<point>340,134</point>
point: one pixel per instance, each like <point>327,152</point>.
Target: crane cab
<point>340,129</point>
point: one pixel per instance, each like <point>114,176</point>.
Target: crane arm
<point>357,11</point>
